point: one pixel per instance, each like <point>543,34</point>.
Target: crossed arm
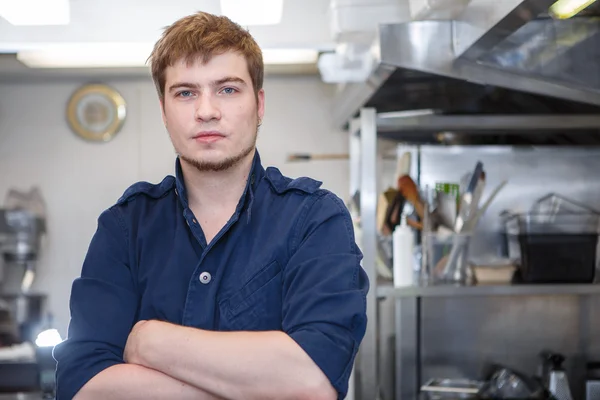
<point>171,361</point>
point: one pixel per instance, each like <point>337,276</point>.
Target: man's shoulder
<point>304,189</point>
<point>147,190</point>
<point>283,185</point>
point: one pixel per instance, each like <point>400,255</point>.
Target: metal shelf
<point>364,133</point>
<point>388,290</point>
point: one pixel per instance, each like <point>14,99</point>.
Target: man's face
<point>211,111</point>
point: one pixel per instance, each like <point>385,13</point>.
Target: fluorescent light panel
<point>564,9</point>
<point>253,12</point>
<point>35,12</point>
<point>107,55</point>
<point>87,55</point>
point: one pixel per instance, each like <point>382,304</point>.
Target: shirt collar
<point>257,172</point>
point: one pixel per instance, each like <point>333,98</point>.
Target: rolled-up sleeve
<point>325,289</point>
<point>103,308</point>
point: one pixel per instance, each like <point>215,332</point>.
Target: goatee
<point>223,165</point>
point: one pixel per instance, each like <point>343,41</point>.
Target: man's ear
<point>162,111</point>
<point>261,104</point>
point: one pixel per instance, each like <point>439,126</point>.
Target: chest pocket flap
<point>257,305</point>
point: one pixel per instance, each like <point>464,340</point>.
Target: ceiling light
<point>111,55</point>
<point>87,55</point>
<point>35,12</point>
<point>564,9</point>
<point>253,12</point>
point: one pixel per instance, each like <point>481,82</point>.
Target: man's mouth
<point>208,136</point>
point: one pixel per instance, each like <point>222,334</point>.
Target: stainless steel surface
<point>20,232</point>
<point>354,95</point>
<point>510,124</point>
<point>464,386</point>
<point>484,24</point>
<point>531,173</point>
<point>354,159</point>
<point>386,335</point>
<point>408,375</point>
<point>460,336</point>
<point>367,372</point>
<point>548,169</point>
<point>388,290</point>
<point>592,389</point>
<point>428,46</point>
<point>21,396</point>
<point>457,66</point>
<point>565,52</point>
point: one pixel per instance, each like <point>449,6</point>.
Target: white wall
<point>80,179</point>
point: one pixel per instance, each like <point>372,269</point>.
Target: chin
<point>213,164</point>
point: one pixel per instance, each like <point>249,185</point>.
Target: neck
<point>216,189</point>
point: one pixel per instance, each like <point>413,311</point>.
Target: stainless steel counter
<point>22,396</point>
<point>455,332</point>
<point>389,290</point>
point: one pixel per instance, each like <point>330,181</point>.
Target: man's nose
<point>206,108</point>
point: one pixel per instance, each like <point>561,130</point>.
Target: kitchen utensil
<point>446,209</point>
<point>409,190</point>
<point>592,381</point>
<point>466,199</point>
<point>555,377</point>
<point>403,165</point>
<point>553,204</point>
<point>508,384</point>
<point>448,257</point>
<point>312,157</point>
<point>387,205</point>
<point>295,157</point>
<point>480,211</point>
<point>459,388</point>
<point>455,268</point>
<point>395,199</point>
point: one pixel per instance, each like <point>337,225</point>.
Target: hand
<point>132,353</point>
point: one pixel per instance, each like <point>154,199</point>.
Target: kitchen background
<point>422,108</point>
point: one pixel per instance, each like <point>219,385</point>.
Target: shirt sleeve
<point>103,308</point>
<point>324,290</point>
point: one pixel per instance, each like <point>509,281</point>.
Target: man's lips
<point>207,137</point>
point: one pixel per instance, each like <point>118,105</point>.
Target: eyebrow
<point>189,85</point>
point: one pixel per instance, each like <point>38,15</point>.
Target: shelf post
<point>367,359</point>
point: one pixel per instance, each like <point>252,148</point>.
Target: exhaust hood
<point>498,57</point>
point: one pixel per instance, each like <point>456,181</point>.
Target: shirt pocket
<point>257,304</point>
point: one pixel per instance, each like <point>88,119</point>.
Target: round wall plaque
<point>96,112</point>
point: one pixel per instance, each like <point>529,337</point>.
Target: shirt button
<point>205,277</point>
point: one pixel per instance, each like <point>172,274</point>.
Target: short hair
<point>201,36</point>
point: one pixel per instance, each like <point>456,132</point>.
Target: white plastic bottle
<point>403,254</point>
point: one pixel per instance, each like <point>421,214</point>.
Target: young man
<point>227,281</point>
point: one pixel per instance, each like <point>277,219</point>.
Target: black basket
<point>554,248</point>
<point>558,258</point>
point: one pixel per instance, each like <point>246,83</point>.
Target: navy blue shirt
<point>286,260</point>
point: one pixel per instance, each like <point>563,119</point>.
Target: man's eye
<point>184,93</point>
<point>229,90</point>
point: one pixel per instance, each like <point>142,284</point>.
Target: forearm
<point>234,365</point>
<point>132,382</point>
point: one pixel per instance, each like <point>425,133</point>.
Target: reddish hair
<point>202,36</point>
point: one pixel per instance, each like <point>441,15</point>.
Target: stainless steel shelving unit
<point>364,133</point>
<point>386,291</point>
